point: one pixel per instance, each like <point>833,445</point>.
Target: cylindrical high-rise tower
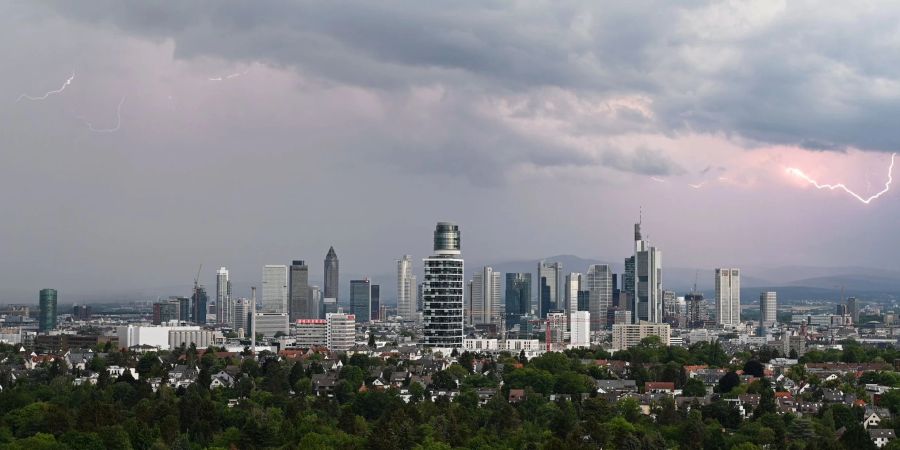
<point>442,290</point>
<point>47,304</point>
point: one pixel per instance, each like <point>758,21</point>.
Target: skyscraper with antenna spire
<point>647,279</point>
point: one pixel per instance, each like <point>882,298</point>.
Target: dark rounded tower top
<point>446,238</point>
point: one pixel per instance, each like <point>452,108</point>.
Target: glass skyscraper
<point>299,304</point>
<point>332,271</point>
<point>47,303</point>
<point>518,297</point>
<point>361,299</point>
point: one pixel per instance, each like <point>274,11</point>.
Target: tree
<point>728,382</point>
<point>694,388</point>
<point>755,368</point>
<point>371,342</point>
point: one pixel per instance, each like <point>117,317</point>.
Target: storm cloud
<point>349,119</point>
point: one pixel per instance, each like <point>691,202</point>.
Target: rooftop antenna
<point>696,275</point>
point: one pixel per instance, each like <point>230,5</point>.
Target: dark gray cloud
<point>785,73</point>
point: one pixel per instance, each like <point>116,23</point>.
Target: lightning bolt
<point>658,179</point>
<point>697,185</point>
<point>107,130</point>
<point>230,76</point>
<point>840,186</point>
<point>44,97</point>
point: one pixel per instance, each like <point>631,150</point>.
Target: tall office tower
<point>275,289</point>
<point>442,290</point>
<point>165,312</point>
<point>550,287</point>
<point>518,297</point>
<point>223,296</point>
<point>768,305</point>
<point>853,307</point>
<point>241,323</point>
<point>184,308</point>
<point>696,310</point>
<point>252,319</point>
<point>670,308</point>
<point>573,285</point>
<point>375,312</point>
<point>47,316</point>
<point>556,331</point>
<point>332,272</point>
<point>598,283</point>
<point>340,331</point>
<point>628,279</point>
<point>315,302</point>
<point>199,302</point>
<point>420,297</point>
<point>728,297</point>
<point>647,280</point>
<point>468,310</point>
<point>406,287</point>
<point>361,300</point>
<point>580,323</point>
<point>584,300</point>
<point>616,292</point>
<point>487,307</point>
<point>300,305</point>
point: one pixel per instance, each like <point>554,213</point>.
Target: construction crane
<point>197,278</point>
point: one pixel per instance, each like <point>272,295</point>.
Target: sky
<point>139,140</point>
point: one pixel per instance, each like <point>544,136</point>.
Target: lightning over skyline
<point>842,187</point>
<point>107,130</point>
<point>49,93</point>
<point>230,76</point>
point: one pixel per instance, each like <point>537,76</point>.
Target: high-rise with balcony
<point>332,275</point>
<point>275,289</point>
<point>406,289</point>
<point>728,297</point>
<point>442,290</point>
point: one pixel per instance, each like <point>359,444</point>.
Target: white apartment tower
<point>598,283</point>
<point>275,289</point>
<point>406,289</point>
<point>581,329</point>
<point>728,297</point>
<point>224,305</point>
<point>442,290</point>
<point>340,331</point>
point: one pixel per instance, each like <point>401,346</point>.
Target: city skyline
<point>139,130</point>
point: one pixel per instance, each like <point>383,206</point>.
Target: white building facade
<point>580,322</point>
<point>275,289</point>
<point>728,297</point>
